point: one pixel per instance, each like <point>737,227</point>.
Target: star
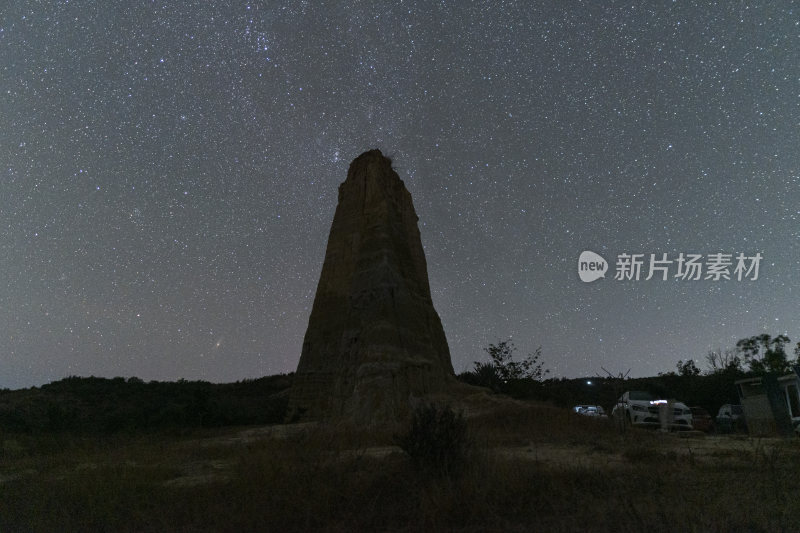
<point>186,166</point>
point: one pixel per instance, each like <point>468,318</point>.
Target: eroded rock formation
<point>374,342</point>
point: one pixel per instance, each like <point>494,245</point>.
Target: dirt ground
<point>693,446</point>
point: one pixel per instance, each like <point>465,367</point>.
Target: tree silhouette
<point>763,353</point>
<point>729,360</point>
<point>502,358</point>
<point>687,368</point>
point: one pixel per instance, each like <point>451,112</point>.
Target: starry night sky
<point>170,173</point>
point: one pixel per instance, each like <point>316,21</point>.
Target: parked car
<point>730,418</point>
<point>590,410</point>
<point>641,408</point>
<point>701,419</point>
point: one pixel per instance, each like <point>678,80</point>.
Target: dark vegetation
<point>437,440</point>
<point>524,379</point>
<point>688,385</point>
<point>106,406</point>
<point>763,353</point>
<point>96,454</point>
<point>98,405</point>
<point>502,368</point>
<point>326,479</point>
<point>709,391</point>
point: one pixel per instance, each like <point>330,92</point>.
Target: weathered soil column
<point>374,341</point>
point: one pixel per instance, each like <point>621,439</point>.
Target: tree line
<point>526,378</point>
<point>103,405</point>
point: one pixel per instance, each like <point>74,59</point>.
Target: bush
<point>483,375</point>
<point>437,440</point>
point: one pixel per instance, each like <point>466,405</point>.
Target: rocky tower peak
<point>374,341</point>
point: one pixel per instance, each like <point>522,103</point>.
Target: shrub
<point>437,440</point>
<point>484,375</point>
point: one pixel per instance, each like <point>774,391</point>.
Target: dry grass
<point>540,469</point>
